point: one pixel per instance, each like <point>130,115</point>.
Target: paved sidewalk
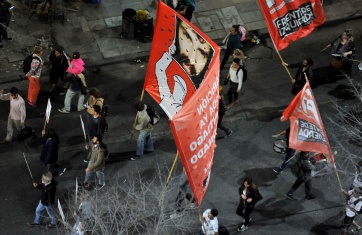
<point>95,31</point>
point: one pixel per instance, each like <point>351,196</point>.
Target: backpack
<point>27,63</point>
<point>153,114</point>
<point>245,72</point>
<point>297,169</point>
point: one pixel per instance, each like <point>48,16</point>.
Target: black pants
<point>244,210</point>
<point>232,92</point>
<point>188,13</point>
<point>347,222</point>
<point>4,29</point>
<point>228,53</point>
<point>220,125</point>
<point>307,186</point>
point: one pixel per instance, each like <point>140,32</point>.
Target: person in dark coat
<point>95,125</point>
<point>47,197</point>
<point>304,177</point>
<point>49,152</point>
<point>6,11</point>
<point>232,44</point>
<point>304,71</point>
<point>222,110</point>
<point>249,196</point>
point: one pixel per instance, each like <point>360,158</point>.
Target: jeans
<point>100,176</point>
<point>144,135</point>
<point>68,99</point>
<point>10,129</point>
<point>34,89</point>
<point>289,154</point>
<point>40,209</point>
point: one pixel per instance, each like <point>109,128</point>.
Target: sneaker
<point>100,186</point>
<point>175,215</point>
<point>278,170</point>
<point>242,228</point>
<point>8,39</point>
<point>249,220</point>
<point>32,104</point>
<point>133,159</point>
<point>63,91</point>
<point>61,173</point>
<point>63,110</point>
<point>229,132</point>
<point>33,224</point>
<point>310,197</point>
<point>80,110</point>
<point>86,161</point>
<point>192,205</point>
<point>290,196</point>
<point>52,226</point>
<point>223,47</point>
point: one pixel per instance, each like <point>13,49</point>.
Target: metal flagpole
<point>28,167</point>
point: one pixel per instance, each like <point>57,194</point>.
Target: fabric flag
<point>183,77</point>
<point>289,20</point>
<point>307,131</point>
<point>47,111</point>
<point>181,57</point>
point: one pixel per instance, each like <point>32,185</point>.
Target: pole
<point>28,167</point>
<point>172,168</point>
<point>135,120</point>
<point>45,124</point>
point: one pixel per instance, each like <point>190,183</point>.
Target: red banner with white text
<point>307,131</point>
<point>183,77</point>
<point>289,20</point>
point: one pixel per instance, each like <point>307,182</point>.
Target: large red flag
<point>307,131</point>
<point>289,20</point>
<point>183,77</point>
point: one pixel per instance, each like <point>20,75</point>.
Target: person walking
<point>49,152</point>
<point>289,152</point>
<point>97,163</point>
<point>95,98</point>
<point>222,111</point>
<point>302,170</point>
<point>95,124</point>
<point>48,189</point>
<point>34,76</point>
<point>232,44</point>
<point>353,206</point>
<point>17,115</point>
<point>249,196</point>
<point>58,64</point>
<point>210,224</point>
<point>145,128</point>
<point>75,67</point>
<point>235,76</point>
<point>182,194</point>
<point>6,11</point>
<point>304,72</point>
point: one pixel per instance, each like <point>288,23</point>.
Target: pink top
<point>77,66</point>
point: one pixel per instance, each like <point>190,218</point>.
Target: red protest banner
<point>290,20</point>
<point>194,130</point>
<point>180,59</point>
<point>307,131</point>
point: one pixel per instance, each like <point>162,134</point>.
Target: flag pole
<point>28,167</point>
<point>281,59</point>
<point>135,120</point>
<point>172,168</point>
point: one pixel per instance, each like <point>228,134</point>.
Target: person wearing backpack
<point>249,196</point>
<point>145,128</point>
<point>353,207</point>
<point>302,169</point>
<point>33,75</point>
<point>235,76</point>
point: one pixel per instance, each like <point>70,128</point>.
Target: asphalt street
<point>247,152</point>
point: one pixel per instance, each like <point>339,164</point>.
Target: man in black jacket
<point>304,71</point>
<point>48,188</point>
<point>49,152</point>
<point>6,10</point>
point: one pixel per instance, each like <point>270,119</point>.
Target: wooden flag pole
<point>135,120</point>
<point>281,59</point>
<point>172,168</point>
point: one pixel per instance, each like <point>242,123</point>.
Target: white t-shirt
<point>238,78</point>
<point>357,182</point>
<point>351,202</point>
<point>211,225</point>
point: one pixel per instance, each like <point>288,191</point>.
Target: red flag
<point>180,59</point>
<point>289,20</point>
<point>183,77</point>
<point>307,131</point>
